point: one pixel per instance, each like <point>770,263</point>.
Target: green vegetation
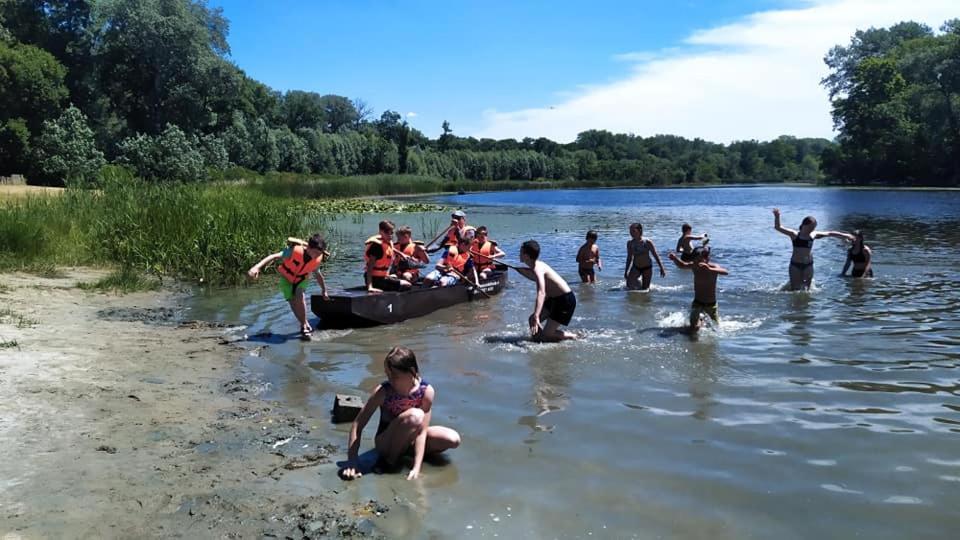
<point>9,344</point>
<point>154,90</point>
<point>204,233</point>
<point>896,101</point>
<point>123,281</point>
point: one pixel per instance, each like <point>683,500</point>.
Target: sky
<point>720,70</point>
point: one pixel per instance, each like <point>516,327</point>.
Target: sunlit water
<point>833,413</point>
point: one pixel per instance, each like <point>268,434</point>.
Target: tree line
<point>148,84</point>
<point>896,103</point>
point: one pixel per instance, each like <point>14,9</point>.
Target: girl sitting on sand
<point>405,401</point>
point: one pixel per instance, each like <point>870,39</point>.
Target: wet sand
<point>119,418</point>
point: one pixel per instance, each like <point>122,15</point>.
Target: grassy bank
<point>204,233</point>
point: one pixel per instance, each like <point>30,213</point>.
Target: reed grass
<point>205,233</point>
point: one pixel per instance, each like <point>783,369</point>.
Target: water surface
<point>833,413</point>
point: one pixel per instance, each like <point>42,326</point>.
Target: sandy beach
<point>121,418</point>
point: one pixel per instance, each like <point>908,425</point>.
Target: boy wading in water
<point>587,256</point>
<point>704,285</point>
<point>299,260</point>
<point>553,296</point>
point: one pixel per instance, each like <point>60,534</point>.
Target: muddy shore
<point>121,418</point>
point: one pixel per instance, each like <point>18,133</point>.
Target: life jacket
<point>381,266</point>
<point>488,249</point>
<point>408,249</point>
<point>294,269</point>
<point>456,259</point>
<point>452,234</point>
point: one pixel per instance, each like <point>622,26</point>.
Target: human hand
<point>776,212</point>
<point>373,290</point>
<point>534,323</point>
<point>325,297</point>
<point>663,273</point>
<point>350,472</point>
<point>414,473</point>
<point>254,273</point>
<point>672,256</point>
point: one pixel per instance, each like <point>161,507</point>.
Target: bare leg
<point>796,278</point>
<point>552,333</point>
<point>298,304</point>
<point>808,277</point>
<point>440,439</point>
<point>646,279</point>
<point>398,436</point>
<point>633,280</point>
<point>694,320</point>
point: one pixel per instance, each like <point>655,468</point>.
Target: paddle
<point>472,284</point>
<point>497,261</point>
<point>430,243</point>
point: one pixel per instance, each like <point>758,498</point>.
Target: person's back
<point>704,285</point>
<point>553,283</point>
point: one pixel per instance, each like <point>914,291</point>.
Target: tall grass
<point>206,233</point>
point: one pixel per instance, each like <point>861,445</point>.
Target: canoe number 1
<point>390,308</point>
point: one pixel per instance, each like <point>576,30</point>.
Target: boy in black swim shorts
<point>555,301</point>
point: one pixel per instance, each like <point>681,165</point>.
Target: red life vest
<point>488,250</point>
<point>294,269</point>
<point>381,266</point>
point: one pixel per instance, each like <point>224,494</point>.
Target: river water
<point>831,413</point>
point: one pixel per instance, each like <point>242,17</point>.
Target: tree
<point>165,60</point>
<point>364,112</point>
<point>304,110</point>
<point>65,150</point>
<point>31,85</point>
<point>339,113</point>
<point>14,147</point>
<point>443,143</point>
<point>170,156</point>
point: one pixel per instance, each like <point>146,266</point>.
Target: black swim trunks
<point>686,257</point>
<point>560,308</point>
<point>586,273</point>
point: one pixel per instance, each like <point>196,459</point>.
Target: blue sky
<point>515,69</point>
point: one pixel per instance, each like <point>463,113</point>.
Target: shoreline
<point>151,421</point>
<point>679,186</point>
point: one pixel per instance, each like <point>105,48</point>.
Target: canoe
<point>355,308</point>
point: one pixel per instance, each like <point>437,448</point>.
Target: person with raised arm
<point>801,259</point>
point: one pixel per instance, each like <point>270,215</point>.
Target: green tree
<point>14,147</point>
<point>165,62</point>
<point>65,151</point>
<point>170,156</point>
<point>31,85</point>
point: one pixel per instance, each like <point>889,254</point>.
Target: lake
<point>830,413</point>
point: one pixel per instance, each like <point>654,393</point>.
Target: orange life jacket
<point>381,266</point>
<point>452,234</point>
<point>294,269</point>
<point>456,259</point>
<point>488,250</point>
<point>407,249</point>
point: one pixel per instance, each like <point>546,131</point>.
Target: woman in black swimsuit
<point>801,261</point>
<point>859,256</point>
<point>639,270</point>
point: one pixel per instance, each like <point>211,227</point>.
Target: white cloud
<point>756,78</point>
<point>411,114</point>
